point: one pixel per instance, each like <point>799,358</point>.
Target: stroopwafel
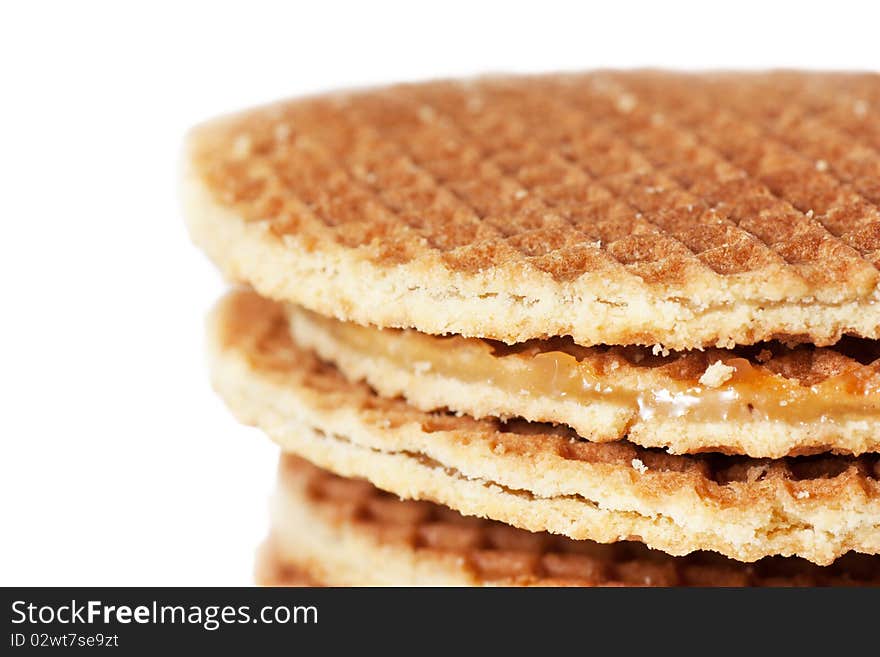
<point>617,208</point>
<point>536,476</point>
<point>345,532</point>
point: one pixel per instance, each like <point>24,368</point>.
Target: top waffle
<point>618,208</point>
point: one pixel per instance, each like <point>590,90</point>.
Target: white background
<point>119,466</point>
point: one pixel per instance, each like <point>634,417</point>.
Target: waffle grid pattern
<point>629,174</point>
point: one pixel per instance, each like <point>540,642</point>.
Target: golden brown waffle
<point>618,208</point>
<point>768,400</point>
<point>536,476</point>
<point>347,532</point>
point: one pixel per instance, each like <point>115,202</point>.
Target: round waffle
<point>345,532</point>
<point>764,401</point>
<point>617,208</point>
<point>536,476</point>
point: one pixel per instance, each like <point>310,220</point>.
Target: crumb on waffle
<point>716,374</point>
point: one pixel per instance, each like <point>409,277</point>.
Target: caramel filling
<point>746,391</point>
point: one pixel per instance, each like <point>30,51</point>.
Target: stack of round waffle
<point>613,308</point>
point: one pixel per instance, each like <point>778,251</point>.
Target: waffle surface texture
<point>345,532</point>
<point>536,476</point>
<point>617,208</point>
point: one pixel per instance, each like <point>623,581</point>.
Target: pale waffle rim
<point>815,282</point>
<point>613,366</point>
<point>487,552</point>
<point>750,509</point>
